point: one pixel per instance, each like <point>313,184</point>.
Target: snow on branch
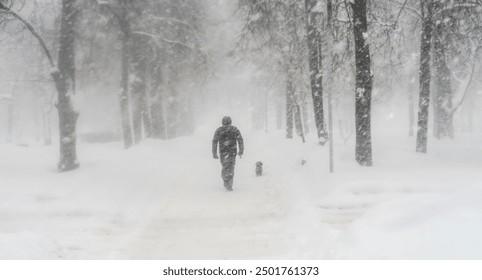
<point>191,28</point>
<point>456,7</point>
<point>158,38</point>
<point>32,30</point>
<point>465,84</point>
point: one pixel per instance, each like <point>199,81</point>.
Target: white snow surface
<point>165,200</point>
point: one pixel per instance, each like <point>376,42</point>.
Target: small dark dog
<point>259,168</point>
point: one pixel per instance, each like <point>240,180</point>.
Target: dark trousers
<point>228,161</point>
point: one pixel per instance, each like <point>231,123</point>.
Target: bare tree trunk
<point>443,117</point>
<point>146,104</point>
<point>146,115</point>
<point>424,97</point>
<point>64,79</point>
<point>315,64</point>
<point>329,12</point>
<point>124,94</point>
<point>411,114</point>
<point>299,122</point>
<point>279,111</point>
<point>305,118</point>
<point>364,83</point>
<point>157,116</point>
<point>289,106</point>
<point>138,87</point>
<point>172,108</point>
<point>65,83</point>
<point>156,107</point>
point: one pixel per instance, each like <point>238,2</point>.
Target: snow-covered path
<point>213,224</point>
<point>161,200</point>
<point>196,218</point>
<point>165,200</point>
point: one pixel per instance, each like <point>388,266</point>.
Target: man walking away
<point>228,137</point>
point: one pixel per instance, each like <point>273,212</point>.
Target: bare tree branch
<point>32,30</point>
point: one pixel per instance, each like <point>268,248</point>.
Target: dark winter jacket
<point>227,136</point>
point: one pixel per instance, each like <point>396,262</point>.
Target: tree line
<point>153,43</point>
<point>317,48</point>
<point>301,38</point>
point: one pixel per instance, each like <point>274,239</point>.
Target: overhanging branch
<point>32,30</point>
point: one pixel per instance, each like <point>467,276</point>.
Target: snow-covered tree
<point>63,75</point>
<point>456,42</point>
<point>315,58</point>
<point>275,31</point>
<point>450,32</point>
<point>364,84</point>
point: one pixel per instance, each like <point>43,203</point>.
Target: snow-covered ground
<point>165,200</point>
